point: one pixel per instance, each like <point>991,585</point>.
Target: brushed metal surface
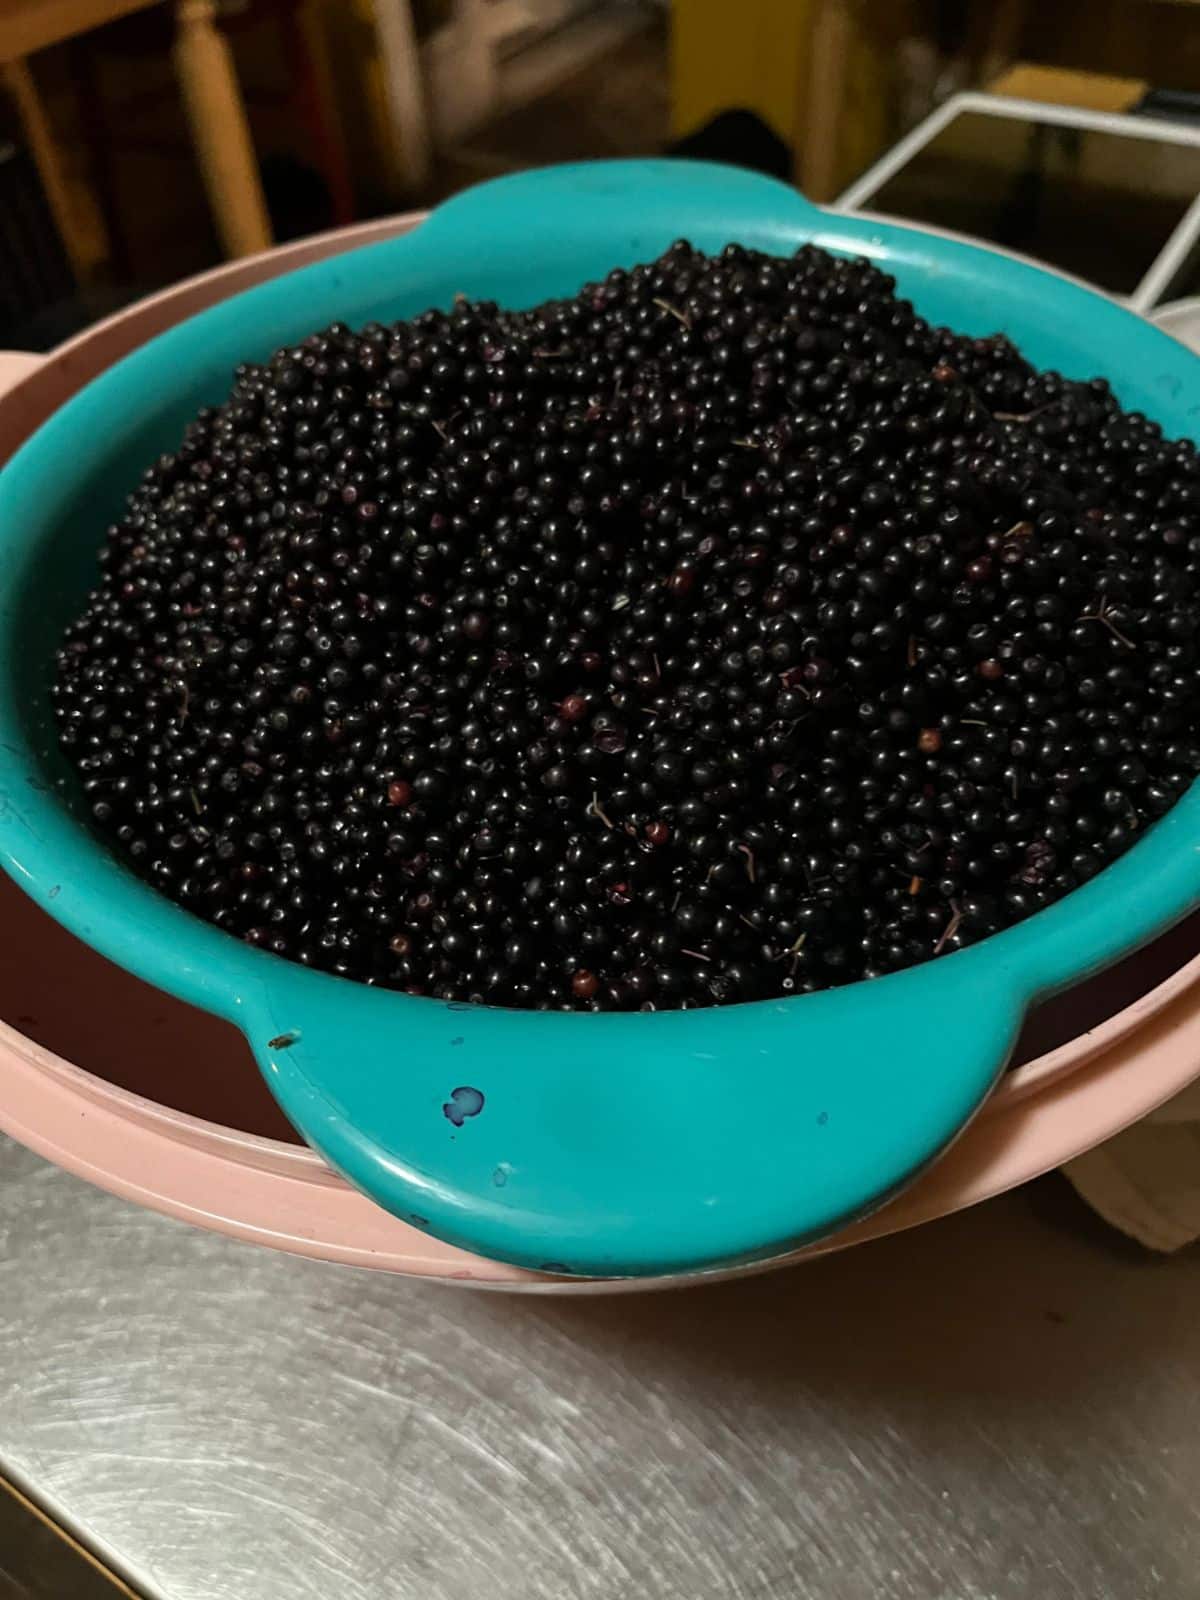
<point>1002,1404</point>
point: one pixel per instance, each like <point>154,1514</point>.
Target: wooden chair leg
<point>995,41</point>
<point>85,74</point>
<point>19,82</point>
<point>405,88</point>
<point>819,123</point>
<point>220,131</point>
<point>315,102</point>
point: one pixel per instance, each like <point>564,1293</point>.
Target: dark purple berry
<point>725,632</point>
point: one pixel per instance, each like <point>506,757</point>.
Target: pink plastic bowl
<point>152,1100</point>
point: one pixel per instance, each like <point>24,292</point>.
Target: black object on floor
<point>297,197</point>
<point>1169,105</point>
<point>739,138</point>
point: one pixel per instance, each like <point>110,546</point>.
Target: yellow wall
<point>753,54</point>
<point>747,54</point>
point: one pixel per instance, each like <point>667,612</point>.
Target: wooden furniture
<point>219,128</point>
<point>993,35</point>
<point>211,96</point>
<point>824,92</point>
<point>992,44</point>
<point>42,1561</point>
<point>1094,91</point>
<point>478,61</point>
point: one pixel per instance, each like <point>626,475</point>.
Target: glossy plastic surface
<point>606,1145</point>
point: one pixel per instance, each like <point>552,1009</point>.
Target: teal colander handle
<point>624,204</point>
<point>630,1145</point>
<point>614,1145</point>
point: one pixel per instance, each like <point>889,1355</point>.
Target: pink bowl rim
<point>266,1191</point>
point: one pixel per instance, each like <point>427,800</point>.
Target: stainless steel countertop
<point>1002,1404</point>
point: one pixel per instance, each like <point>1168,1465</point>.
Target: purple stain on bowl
<point>464,1102</point>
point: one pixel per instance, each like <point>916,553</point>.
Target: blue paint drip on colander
<point>628,1144</point>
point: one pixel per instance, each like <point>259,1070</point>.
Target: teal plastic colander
<point>609,1144</point>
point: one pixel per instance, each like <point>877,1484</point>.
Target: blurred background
<point>145,140</point>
